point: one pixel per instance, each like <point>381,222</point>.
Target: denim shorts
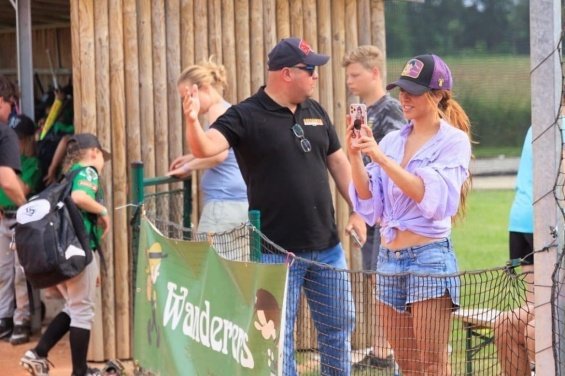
<point>416,274</point>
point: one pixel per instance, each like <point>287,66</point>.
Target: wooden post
<point>310,30</point>
<point>269,29</point>
<point>174,110</point>
<point>296,19</point>
<point>325,46</point>
<point>228,47</point>
<point>243,48</point>
<point>215,33</point>
<point>133,122</point>
<point>364,22</point>
<point>87,110</point>
<point>119,164</point>
<point>339,100</point>
<point>257,51</point>
<point>132,92</point>
<point>378,30</point>
<point>283,19</point>
<point>103,336</point>
<point>200,31</point>
<point>187,33</point>
<point>146,91</point>
<point>160,100</point>
<point>351,37</point>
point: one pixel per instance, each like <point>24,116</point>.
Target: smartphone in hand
<point>355,238</point>
<point>358,113</point>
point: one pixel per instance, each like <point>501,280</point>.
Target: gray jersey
<point>383,116</point>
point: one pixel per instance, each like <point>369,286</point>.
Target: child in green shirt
<point>85,152</point>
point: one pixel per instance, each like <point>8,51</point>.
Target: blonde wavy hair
<point>368,56</point>
<point>206,73</point>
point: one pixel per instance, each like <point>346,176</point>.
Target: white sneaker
<point>34,364</point>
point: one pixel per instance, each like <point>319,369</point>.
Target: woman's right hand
<point>191,103</point>
<point>369,146</point>
<point>350,138</point>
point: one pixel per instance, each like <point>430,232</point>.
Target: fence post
<point>187,209</point>
<point>137,198</point>
<point>255,219</point>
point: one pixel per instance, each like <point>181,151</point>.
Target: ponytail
<point>451,111</point>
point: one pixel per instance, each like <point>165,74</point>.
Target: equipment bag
<point>50,236</point>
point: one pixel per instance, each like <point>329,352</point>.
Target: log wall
<point>126,55</point>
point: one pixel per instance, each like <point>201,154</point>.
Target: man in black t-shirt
<point>285,144</point>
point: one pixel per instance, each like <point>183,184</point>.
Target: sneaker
<point>6,327</point>
<point>20,334</point>
<point>372,361</point>
<point>91,372</point>
<point>34,364</point>
<point>113,368</point>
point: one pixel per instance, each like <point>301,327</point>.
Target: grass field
<point>481,238</point>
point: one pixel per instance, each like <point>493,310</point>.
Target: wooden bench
<point>475,319</point>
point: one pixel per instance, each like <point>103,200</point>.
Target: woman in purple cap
<point>414,187</point>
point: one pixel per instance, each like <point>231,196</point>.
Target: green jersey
<point>30,176</point>
<point>87,181</point>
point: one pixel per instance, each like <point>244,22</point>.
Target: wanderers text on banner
<point>198,313</point>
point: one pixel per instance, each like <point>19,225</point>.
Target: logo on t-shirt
<point>313,122</point>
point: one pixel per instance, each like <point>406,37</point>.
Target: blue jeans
<point>415,274</point>
<point>328,291</point>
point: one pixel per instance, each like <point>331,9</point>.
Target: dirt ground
<point>10,356</point>
<point>60,356</point>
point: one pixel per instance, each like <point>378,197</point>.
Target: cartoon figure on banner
<point>154,256</point>
<point>269,323</point>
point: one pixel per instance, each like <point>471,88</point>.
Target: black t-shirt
<point>288,186</point>
<point>9,148</point>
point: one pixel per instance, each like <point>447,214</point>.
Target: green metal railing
<point>138,196</point>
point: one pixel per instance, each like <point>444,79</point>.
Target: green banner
<point>197,313</point>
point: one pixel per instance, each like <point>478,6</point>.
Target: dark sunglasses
<point>304,142</point>
<point>307,68</point>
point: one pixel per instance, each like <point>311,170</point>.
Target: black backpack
<point>50,236</point>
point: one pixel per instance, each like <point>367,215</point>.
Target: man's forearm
<point>340,170</point>
<point>12,186</point>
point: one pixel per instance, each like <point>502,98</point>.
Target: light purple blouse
<point>443,165</point>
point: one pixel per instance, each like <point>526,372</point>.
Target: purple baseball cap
<point>291,51</point>
<point>423,73</point>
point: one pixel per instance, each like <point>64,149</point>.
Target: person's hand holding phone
<point>358,115</point>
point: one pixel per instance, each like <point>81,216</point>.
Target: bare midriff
<point>406,238</point>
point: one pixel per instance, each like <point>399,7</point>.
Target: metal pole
<point>25,56</point>
<point>255,219</point>
<point>545,30</point>
<point>187,208</point>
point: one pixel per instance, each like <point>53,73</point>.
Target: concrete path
<point>494,173</point>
